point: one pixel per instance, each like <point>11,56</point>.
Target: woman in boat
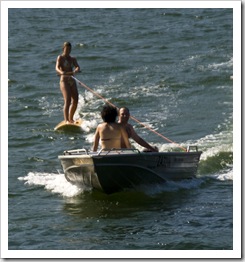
<point>66,67</point>
<point>110,133</point>
<point>124,115</point>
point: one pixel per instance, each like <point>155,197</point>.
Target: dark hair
<point>125,108</point>
<point>109,113</point>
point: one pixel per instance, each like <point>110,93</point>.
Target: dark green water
<point>172,68</point>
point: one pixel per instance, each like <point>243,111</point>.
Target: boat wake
<point>217,158</point>
<point>55,183</point>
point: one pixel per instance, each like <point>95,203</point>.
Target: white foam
<point>88,126</point>
<point>215,143</point>
<point>55,183</point>
<point>225,64</point>
<point>224,176</point>
<point>90,138</point>
<point>80,105</point>
<point>228,175</point>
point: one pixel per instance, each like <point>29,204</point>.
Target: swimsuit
<point>107,139</point>
<point>68,66</point>
<point>69,80</point>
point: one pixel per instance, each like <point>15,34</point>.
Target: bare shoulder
<point>74,61</point>
<point>73,58</point>
<point>100,125</point>
<point>130,127</point>
<point>116,125</point>
<point>61,59</point>
<point>132,132</point>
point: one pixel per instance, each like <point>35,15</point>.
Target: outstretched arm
<point>141,141</point>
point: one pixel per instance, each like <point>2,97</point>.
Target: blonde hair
<point>66,44</point>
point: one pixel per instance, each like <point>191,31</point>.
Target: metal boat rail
<point>113,151</point>
<point>118,151</point>
<point>191,147</point>
<point>102,152</point>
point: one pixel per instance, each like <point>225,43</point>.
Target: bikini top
<point>108,139</point>
<point>67,64</point>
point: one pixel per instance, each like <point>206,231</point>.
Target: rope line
<point>133,118</point>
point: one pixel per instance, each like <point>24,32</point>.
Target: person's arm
<point>58,66</point>
<point>140,140</point>
<point>77,67</point>
<point>125,138</point>
<point>61,72</point>
<point>96,139</point>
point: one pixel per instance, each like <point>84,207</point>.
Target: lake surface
<point>173,68</point>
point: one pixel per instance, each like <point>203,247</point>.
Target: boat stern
<point>79,169</point>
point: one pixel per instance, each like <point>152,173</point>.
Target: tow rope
<point>133,118</point>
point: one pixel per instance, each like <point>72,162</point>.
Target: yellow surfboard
<point>72,127</point>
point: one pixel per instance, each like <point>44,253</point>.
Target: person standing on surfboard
<point>66,67</point>
<point>124,115</point>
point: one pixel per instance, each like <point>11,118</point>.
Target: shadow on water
<point>126,204</point>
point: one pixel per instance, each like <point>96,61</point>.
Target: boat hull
<point>119,170</point>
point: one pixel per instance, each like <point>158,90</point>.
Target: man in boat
<point>124,115</point>
<point>66,67</point>
<point>110,133</point>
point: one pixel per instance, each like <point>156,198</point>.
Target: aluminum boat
<point>116,170</point>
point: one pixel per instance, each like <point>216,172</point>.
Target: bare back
<point>110,135</point>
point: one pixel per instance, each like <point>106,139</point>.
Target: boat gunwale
<point>115,155</point>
